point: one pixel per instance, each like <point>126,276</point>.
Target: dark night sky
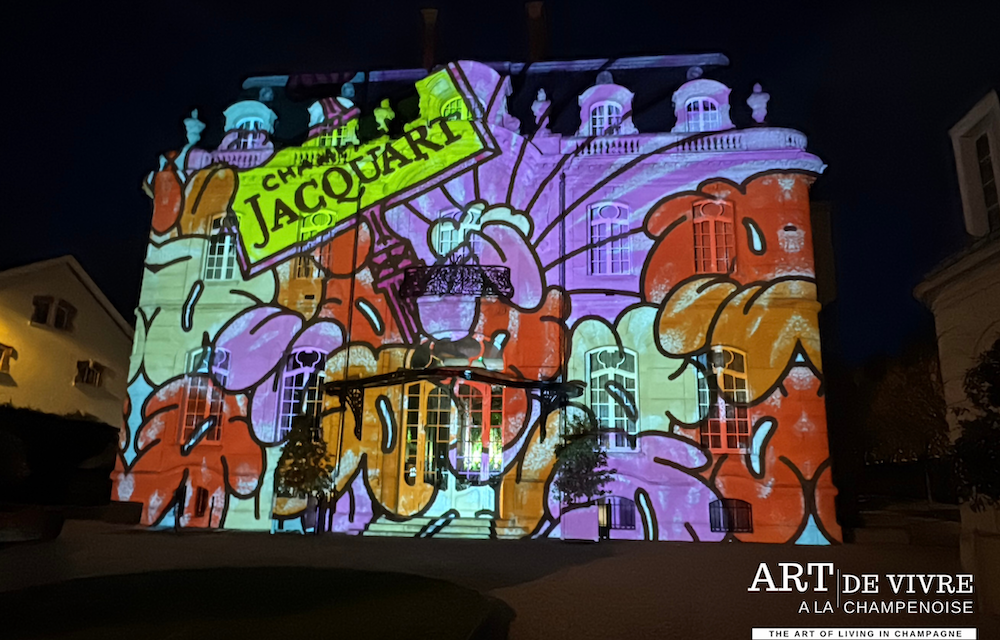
<point>91,99</point>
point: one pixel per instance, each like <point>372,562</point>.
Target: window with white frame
<point>447,234</point>
<point>250,133</point>
<point>301,388</point>
<point>220,263</point>
<point>703,114</point>
<point>988,181</point>
<point>605,118</point>
<point>437,437</point>
<point>714,238</point>
<point>725,423</point>
<point>204,399</point>
<point>89,373</point>
<point>612,385</point>
<point>610,246</point>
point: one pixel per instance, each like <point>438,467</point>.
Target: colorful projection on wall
<point>428,301</point>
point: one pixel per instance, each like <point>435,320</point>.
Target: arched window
<point>301,388</point>
<point>250,133</point>
<point>203,399</point>
<point>613,394</point>
<point>220,263</point>
<point>610,248</point>
<point>605,118</point>
<point>726,420</point>
<point>703,115</point>
<point>714,240</point>
<point>455,109</point>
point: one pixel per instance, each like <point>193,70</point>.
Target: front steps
<point>439,527</point>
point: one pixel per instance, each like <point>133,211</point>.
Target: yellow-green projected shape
<point>303,195</point>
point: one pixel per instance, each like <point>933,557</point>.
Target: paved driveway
<point>557,589</point>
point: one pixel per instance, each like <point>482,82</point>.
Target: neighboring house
<point>441,292</point>
<point>964,294</point>
<point>64,349</point>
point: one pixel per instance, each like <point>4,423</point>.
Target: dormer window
<point>703,115</point>
<point>454,109</point>
<point>251,133</point>
<point>605,118</point>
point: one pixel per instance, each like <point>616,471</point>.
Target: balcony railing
<point>456,280</point>
<point>757,139</point>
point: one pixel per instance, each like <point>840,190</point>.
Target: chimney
<point>430,34</point>
<point>537,35</point>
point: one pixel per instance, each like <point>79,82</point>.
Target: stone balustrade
<point>756,139</point>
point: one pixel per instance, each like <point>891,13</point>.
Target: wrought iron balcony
<point>456,280</point>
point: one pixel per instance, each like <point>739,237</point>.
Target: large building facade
<point>442,287</point>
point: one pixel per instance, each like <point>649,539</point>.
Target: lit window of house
<point>204,400</point>
<point>480,450</point>
<point>610,248</point>
<point>455,109</point>
<point>988,180</point>
<point>714,238</point>
<point>605,118</point>
<point>726,422</point>
<point>703,115</point>
<point>220,264</point>
<point>250,133</point>
<point>89,373</point>
<point>301,388</point>
<point>612,387</point>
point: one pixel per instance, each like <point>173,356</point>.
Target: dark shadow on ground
<point>260,602</point>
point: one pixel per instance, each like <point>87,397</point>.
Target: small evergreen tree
<point>305,467</point>
<point>581,464</point>
<point>977,450</point>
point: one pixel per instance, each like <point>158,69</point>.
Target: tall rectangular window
<point>611,374</point>
<point>714,239</point>
<point>204,400</point>
<point>725,418</point>
<point>301,388</point>
<point>437,438</point>
<point>221,261</point>
<point>412,422</point>
<point>988,180</point>
<point>610,249</point>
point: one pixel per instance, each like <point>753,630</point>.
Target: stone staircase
<point>435,527</point>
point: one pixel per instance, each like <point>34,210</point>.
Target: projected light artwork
<point>441,297</point>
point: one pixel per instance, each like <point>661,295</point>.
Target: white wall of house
<point>40,367</point>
